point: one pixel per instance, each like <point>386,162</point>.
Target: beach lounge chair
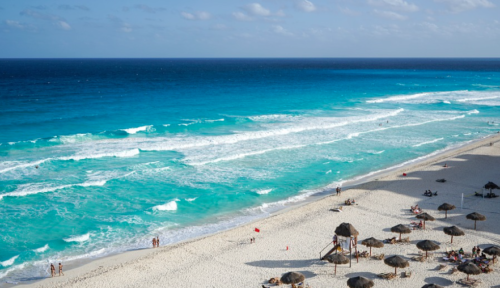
<point>378,257</point>
<point>337,209</point>
<point>387,276</point>
<point>406,274</point>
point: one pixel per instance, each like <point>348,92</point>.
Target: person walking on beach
<point>154,242</point>
<point>157,241</point>
<point>60,270</point>
<point>52,270</point>
<point>338,191</point>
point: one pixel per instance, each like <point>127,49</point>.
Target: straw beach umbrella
<point>337,259</point>
<point>432,286</point>
<point>396,262</point>
<point>490,185</point>
<point>446,207</point>
<point>469,268</point>
<point>493,250</point>
<point>427,246</point>
<point>347,230</point>
<point>372,242</point>
<point>360,282</point>
<point>426,217</point>
<point>476,217</point>
<point>401,229</point>
<point>453,231</point>
<point>292,278</point>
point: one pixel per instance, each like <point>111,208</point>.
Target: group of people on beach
<point>339,189</point>
<point>252,240</point>
<point>415,209</point>
<point>156,242</point>
<point>349,202</point>
<point>429,193</point>
<point>53,270</point>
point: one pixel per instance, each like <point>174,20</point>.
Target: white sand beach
<point>227,259</point>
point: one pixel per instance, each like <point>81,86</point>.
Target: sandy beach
<point>292,240</point>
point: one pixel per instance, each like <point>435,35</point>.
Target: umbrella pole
<point>356,249</point>
<point>445,214</point>
<point>395,270</point>
<point>424,224</point>
<point>335,269</point>
<point>350,252</point>
<point>475,225</point>
<point>371,252</point>
<point>426,254</point>
<point>451,238</point>
<point>399,237</point>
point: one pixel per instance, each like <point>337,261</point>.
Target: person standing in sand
<point>60,270</point>
<point>157,241</point>
<point>52,270</point>
<point>154,242</point>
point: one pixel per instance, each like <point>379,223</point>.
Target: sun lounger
<point>387,276</point>
<point>378,257</point>
<point>406,274</point>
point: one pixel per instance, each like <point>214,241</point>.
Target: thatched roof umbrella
<point>446,207</point>
<point>346,230</point>
<point>360,282</point>
<point>476,217</point>
<point>426,217</point>
<point>396,262</point>
<point>493,250</point>
<point>337,259</point>
<point>427,245</point>
<point>292,278</point>
<point>432,286</point>
<point>401,229</point>
<point>469,268</point>
<point>491,185</point>
<point>372,242</point>
<point>453,231</point>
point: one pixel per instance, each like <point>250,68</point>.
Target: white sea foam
<point>93,155</point>
<point>378,152</point>
<point>138,129</point>
<point>263,191</point>
<point>170,206</point>
<point>9,262</point>
<point>279,117</point>
<point>446,102</point>
<point>78,238</point>
<point>23,165</point>
<point>243,155</point>
<point>309,125</point>
<point>191,199</point>
<point>215,120</point>
<point>328,172</point>
<point>398,98</point>
<point>35,188</point>
<point>42,249</point>
<point>475,111</point>
<point>166,125</point>
<point>478,98</point>
<point>428,142</point>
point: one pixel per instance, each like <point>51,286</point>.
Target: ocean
<point>97,156</point>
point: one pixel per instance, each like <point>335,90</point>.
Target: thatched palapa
<point>453,231</point>
<point>427,246</point>
<point>396,262</point>
<point>337,259</point>
<point>476,217</point>
<point>401,229</point>
<point>360,282</point>
<point>469,268</point>
<point>372,242</point>
<point>446,207</point>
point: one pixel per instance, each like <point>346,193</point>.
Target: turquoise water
<point>98,156</point>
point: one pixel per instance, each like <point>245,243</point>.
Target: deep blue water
<point>131,148</point>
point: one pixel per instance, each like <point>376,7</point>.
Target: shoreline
<point>79,268</point>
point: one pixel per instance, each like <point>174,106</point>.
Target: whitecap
<point>428,142</point>
<point>263,191</point>
<point>215,120</point>
<point>35,188</point>
<point>42,249</point>
<point>78,238</point>
<point>191,199</point>
<point>9,262</point>
<point>475,111</point>
<point>170,206</point>
<point>93,155</point>
<point>328,172</point>
<point>138,129</point>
